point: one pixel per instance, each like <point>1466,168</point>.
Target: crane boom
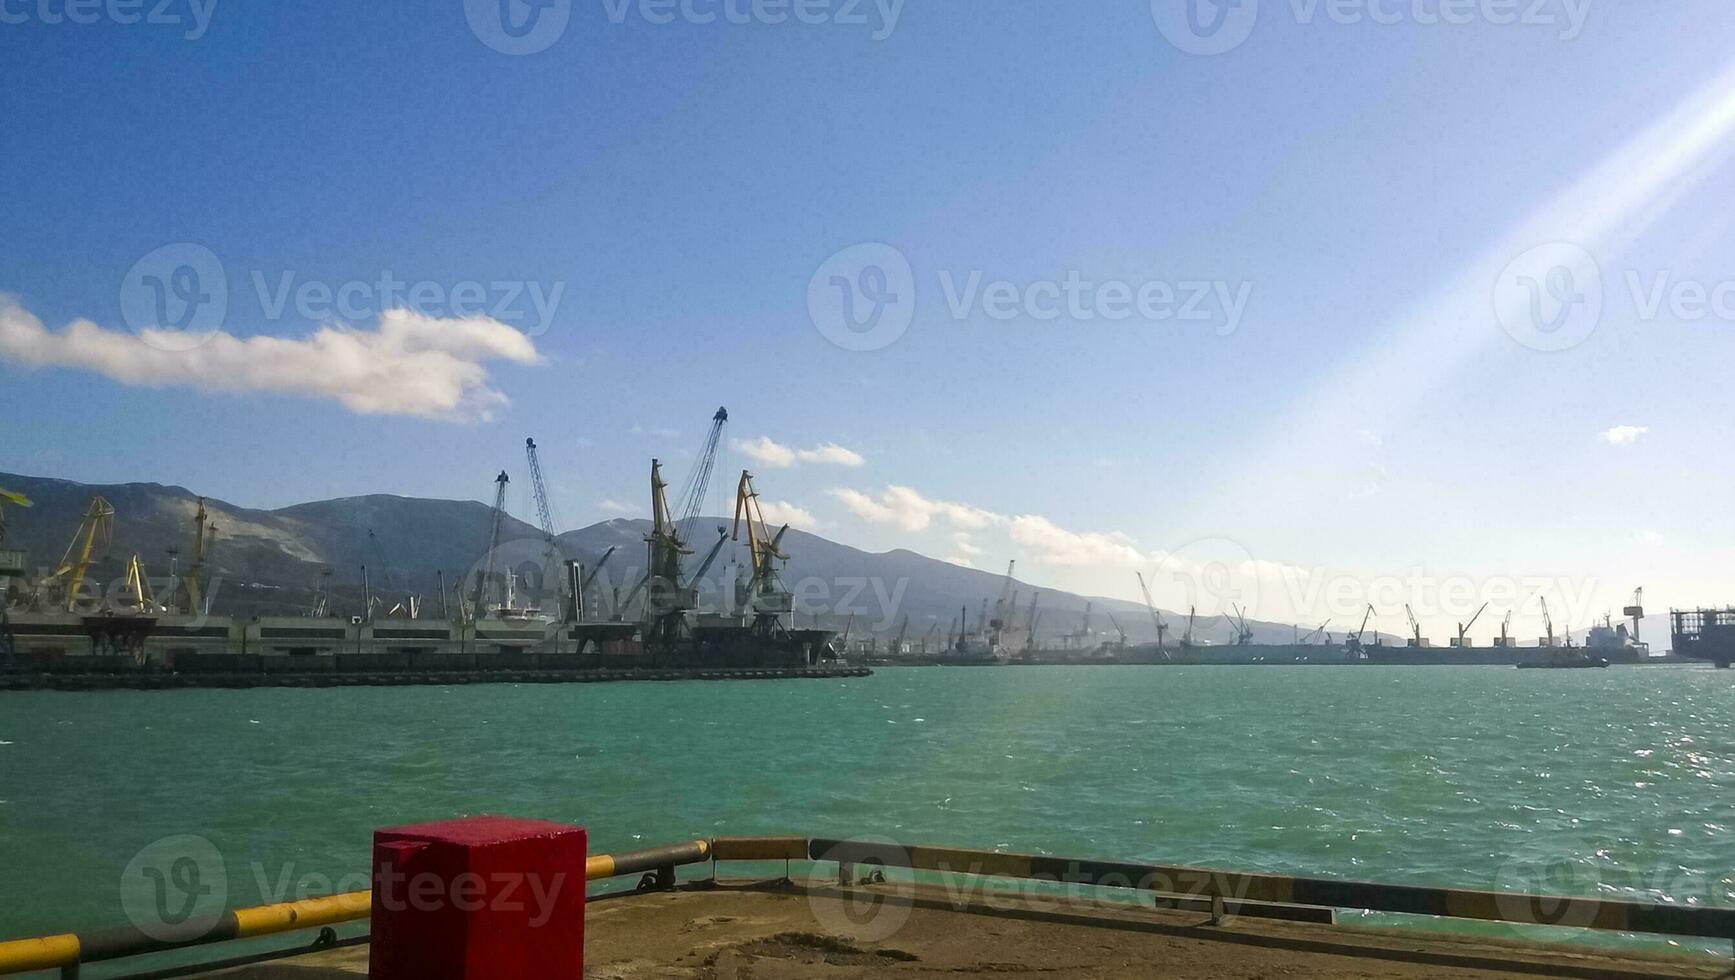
<point>1117,626</point>
<point>1415,627</point>
<point>699,483</point>
<point>545,520</point>
<point>480,606</point>
<point>98,522</point>
<point>1156,618</point>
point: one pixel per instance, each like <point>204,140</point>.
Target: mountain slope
<point>270,561</point>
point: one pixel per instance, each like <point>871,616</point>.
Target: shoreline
<point>156,681</point>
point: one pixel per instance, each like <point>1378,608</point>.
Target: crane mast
<point>480,607</point>
<point>584,585</point>
<point>544,519</point>
<point>767,600</point>
<point>195,600</point>
<point>1464,628</point>
<point>98,522</point>
<point>1353,642</point>
<point>669,596</point>
<point>1156,618</point>
<point>1007,597</point>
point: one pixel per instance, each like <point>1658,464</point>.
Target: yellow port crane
<point>98,522</point>
<point>767,600</point>
<point>9,497</point>
<point>203,533</point>
<point>137,584</point>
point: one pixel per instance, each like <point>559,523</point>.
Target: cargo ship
<point>1704,634</point>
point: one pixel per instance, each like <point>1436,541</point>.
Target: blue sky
<point>682,185</point>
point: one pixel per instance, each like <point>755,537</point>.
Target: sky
<point>1292,305</point>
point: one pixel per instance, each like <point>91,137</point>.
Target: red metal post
<point>483,898</point>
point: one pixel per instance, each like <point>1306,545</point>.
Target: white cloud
<point>1623,435</point>
<point>611,506</point>
<point>409,365</point>
<point>1053,545</point>
<point>959,560</point>
<point>963,545</point>
<point>779,512</point>
<point>660,431</point>
<point>907,509</point>
<point>768,452</point>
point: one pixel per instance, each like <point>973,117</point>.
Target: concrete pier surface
<point>782,931</point>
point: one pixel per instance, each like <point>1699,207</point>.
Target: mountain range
<point>274,561</point>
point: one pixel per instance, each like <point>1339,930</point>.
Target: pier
<point>802,907</point>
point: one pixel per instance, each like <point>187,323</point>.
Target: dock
<point>794,907</point>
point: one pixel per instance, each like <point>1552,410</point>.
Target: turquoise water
<point>1616,782</point>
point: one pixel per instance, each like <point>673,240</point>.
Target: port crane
<point>897,649</point>
<point>1318,631</point>
<point>17,500</point>
<point>1243,631</point>
<point>204,536</point>
<point>1353,641</point>
<point>590,577</point>
<point>11,566</point>
<point>1547,623</point>
<point>1156,617</point>
<point>1635,612</point>
<point>1415,628</point>
<point>669,594</point>
<point>928,637</point>
<point>1082,638</point>
<point>1117,628</point>
<point>1505,636</point>
<point>767,599</point>
<point>1464,628</point>
<point>480,607</point>
<point>98,522</point>
<point>1007,602</point>
<point>137,584</point>
<point>321,605</point>
<point>551,554</point>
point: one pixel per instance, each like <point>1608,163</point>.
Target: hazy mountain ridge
<point>271,560</point>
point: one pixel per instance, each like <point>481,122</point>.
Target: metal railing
<point>1223,892</point>
<point>67,951</point>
